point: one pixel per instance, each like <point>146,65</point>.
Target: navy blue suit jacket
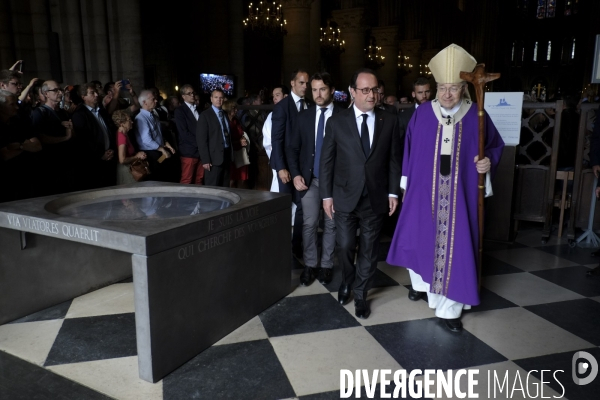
<point>301,150</point>
<point>186,128</point>
<point>284,115</point>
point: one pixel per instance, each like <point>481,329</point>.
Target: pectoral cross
<point>449,121</point>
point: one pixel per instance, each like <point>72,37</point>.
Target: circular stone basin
<point>134,204</point>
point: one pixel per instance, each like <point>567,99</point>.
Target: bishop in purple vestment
<point>437,233</point>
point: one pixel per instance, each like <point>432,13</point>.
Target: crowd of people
<point>58,138</point>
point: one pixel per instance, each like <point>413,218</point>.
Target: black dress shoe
<point>307,277</point>
<point>325,275</point>
<point>361,309</point>
<point>454,325</point>
<point>344,294</point>
<point>414,295</point>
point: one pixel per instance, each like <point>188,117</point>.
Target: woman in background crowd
<point>238,176</point>
<point>126,151</point>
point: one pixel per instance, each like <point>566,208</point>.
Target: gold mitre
<point>448,63</point>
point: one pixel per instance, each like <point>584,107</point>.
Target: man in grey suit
<point>359,182</point>
<point>214,142</point>
<point>303,155</point>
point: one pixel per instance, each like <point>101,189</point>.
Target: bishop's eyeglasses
<point>452,89</point>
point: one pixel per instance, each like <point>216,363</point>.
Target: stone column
<point>95,39</point>
<point>8,49</point>
<point>315,32</point>
<point>386,37</point>
<point>236,45</point>
<point>38,14</point>
<point>126,43</point>
<point>412,49</point>
<point>296,44</point>
<point>353,33</point>
<point>66,22</point>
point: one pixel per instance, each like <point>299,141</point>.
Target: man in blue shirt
<point>150,139</point>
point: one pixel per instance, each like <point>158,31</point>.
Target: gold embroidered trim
<point>452,219</point>
<point>435,157</point>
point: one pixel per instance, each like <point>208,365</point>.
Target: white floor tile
<point>530,259</point>
<point>391,304</point>
<point>251,330</point>
<point>113,299</point>
<point>517,333</point>
<point>117,377</point>
<point>30,341</point>
<point>527,289</point>
<point>313,361</point>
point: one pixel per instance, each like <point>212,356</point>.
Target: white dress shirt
<point>297,100</point>
<point>328,114</point>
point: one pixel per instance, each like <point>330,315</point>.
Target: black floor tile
<point>490,301</point>
<point>55,312</point>
<point>380,279</point>
<point>94,338</point>
<point>389,391</point>
<point>303,314</point>
<point>577,255</point>
<point>489,245</point>
<point>562,361</point>
<point>427,344</point>
<point>296,264</point>
<point>572,278</point>
<point>580,317</point>
<point>493,266</point>
<point>384,249</point>
<point>20,380</point>
<point>248,370</point>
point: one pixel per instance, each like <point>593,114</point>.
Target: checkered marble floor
<point>538,308</point>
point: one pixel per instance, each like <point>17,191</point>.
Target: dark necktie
<point>364,136</point>
<point>225,131</point>
<point>301,101</point>
<point>103,127</point>
<point>320,130</point>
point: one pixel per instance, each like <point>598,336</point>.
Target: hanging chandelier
<point>374,59</point>
<point>265,18</point>
<point>331,41</point>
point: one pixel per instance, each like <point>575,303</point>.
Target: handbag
<point>241,157</point>
<point>140,169</point>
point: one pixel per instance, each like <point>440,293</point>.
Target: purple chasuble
<point>437,233</point>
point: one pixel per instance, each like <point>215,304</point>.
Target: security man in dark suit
<point>359,183</point>
<point>95,139</point>
<point>214,141</point>
<point>304,155</point>
<point>284,115</point>
<point>421,94</point>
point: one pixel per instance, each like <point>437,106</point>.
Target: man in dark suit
<point>284,115</point>
<point>186,120</point>
<point>303,155</point>
<point>381,104</point>
<point>214,141</point>
<point>360,175</point>
<point>421,94</point>
<point>94,136</point>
